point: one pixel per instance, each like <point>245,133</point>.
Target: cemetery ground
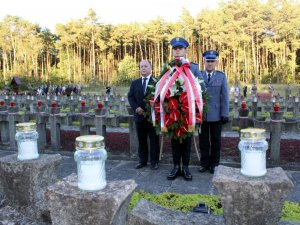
<point>120,166</point>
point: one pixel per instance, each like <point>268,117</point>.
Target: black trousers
<point>181,151</point>
<point>144,130</point>
<point>210,143</point>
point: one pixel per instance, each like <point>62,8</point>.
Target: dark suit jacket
<point>136,97</point>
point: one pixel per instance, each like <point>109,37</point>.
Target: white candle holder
<point>253,148</point>
<point>296,99</point>
<point>90,156</point>
<point>26,138</point>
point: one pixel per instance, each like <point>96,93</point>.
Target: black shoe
<point>186,173</point>
<point>154,166</point>
<point>202,169</point>
<point>176,171</point>
<point>212,169</point>
<point>140,165</point>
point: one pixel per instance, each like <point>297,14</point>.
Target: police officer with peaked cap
<point>218,113</point>
<point>181,151</point>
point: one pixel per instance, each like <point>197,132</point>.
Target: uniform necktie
<point>208,77</point>
<point>144,84</point>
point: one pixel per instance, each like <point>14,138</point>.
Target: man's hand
<point>139,111</point>
<point>224,120</point>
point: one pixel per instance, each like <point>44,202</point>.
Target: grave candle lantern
<point>253,148</point>
<point>12,104</point>
<point>100,106</point>
<point>2,103</point>
<point>244,105</point>
<point>40,103</point>
<point>26,137</point>
<point>90,156</point>
<point>54,105</point>
<point>82,103</point>
<point>276,107</point>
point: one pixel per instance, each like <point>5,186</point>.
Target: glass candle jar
<point>253,148</point>
<point>90,156</point>
<point>26,137</point>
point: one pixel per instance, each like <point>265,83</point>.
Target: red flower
<point>2,103</point>
<point>168,93</point>
<point>12,104</point>
<point>40,103</point>
<point>157,116</point>
<point>82,103</point>
<point>276,107</point>
<point>157,107</point>
<point>198,118</point>
<point>180,131</point>
<point>184,128</point>
<point>151,101</point>
<point>175,114</point>
<point>168,120</point>
<point>244,105</point>
<point>173,103</point>
<point>185,107</point>
<point>54,104</point>
<point>185,119</point>
<point>183,97</point>
<point>100,106</point>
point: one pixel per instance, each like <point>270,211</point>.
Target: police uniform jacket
<point>217,91</point>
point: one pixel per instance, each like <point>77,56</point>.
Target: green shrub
<point>291,211</point>
<point>181,202</point>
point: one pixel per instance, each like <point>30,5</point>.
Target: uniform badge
<point>177,39</point>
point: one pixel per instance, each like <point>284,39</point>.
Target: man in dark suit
<point>218,113</point>
<point>144,128</point>
<point>181,150</point>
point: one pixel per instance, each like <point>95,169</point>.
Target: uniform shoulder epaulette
<point>220,71</point>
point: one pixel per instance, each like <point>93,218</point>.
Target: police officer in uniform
<point>218,113</point>
<point>181,151</point>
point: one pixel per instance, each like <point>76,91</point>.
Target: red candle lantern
<point>2,103</point>
<point>12,104</point>
<point>276,107</point>
<point>100,106</point>
<point>54,104</point>
<point>82,103</point>
<point>244,105</point>
<point>40,103</point>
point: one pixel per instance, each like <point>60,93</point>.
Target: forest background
<point>258,42</point>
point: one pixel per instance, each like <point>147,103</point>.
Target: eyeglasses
<point>210,61</point>
<point>177,47</point>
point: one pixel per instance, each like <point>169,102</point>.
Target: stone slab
<point>148,213</point>
<point>249,200</point>
<point>24,183</point>
<point>71,206</point>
